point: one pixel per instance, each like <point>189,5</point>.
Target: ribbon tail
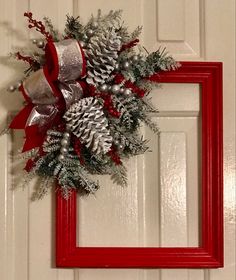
<point>20,120</point>
<point>33,138</point>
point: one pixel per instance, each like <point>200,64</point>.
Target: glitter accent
<point>38,89</point>
<point>70,60</point>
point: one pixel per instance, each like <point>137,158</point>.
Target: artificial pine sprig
<point>54,33</point>
<point>150,65</point>
<point>74,28</point>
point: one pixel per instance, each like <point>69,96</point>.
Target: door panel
<point>191,30</point>
<point>178,25</point>
<point>163,185</point>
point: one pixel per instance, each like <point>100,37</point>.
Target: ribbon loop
<point>65,60</point>
<point>37,89</point>
<point>71,91</point>
<point>51,89</point>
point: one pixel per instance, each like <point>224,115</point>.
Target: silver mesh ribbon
<point>42,114</point>
<point>71,91</point>
<point>70,60</point>
<point>39,89</point>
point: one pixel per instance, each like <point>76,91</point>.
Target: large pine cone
<point>87,121</point>
<point>102,54</point>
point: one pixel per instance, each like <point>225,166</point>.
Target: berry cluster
<point>38,25</point>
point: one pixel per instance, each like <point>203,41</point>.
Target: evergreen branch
<point>152,125</point>
<point>153,63</point>
<point>74,27</point>
<point>41,189</point>
<point>108,20</point>
<point>136,33</point>
<point>125,116</point>
<point>50,27</point>
<point>119,175</point>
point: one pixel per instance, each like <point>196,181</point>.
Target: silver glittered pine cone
<point>87,121</point>
<point>102,54</point>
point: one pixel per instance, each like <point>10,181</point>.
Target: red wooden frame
<point>210,253</point>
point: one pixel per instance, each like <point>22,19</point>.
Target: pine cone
<point>88,122</point>
<point>102,54</point>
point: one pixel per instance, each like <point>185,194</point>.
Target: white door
<point>138,215</point>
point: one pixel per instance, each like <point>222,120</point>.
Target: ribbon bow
<point>51,90</point>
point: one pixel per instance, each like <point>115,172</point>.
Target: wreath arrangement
<point>86,95</point>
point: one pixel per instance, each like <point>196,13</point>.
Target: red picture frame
<point>210,253</point>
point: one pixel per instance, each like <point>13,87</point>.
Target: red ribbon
<point>42,92</point>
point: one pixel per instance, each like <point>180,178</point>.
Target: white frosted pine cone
<point>87,121</point>
<point>102,54</point>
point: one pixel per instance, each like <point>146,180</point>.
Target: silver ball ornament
<point>127,92</point>
<point>19,83</point>
<point>66,135</point>
<point>126,65</point>
<point>116,142</point>
<point>135,58</point>
<point>61,157</point>
<point>90,32</point>
<point>64,150</point>
<point>122,90</point>
<point>115,89</point>
<point>85,37</point>
<point>34,41</point>
<point>121,147</point>
<point>82,44</point>
<point>64,142</point>
<point>40,44</point>
<point>11,88</point>
<point>103,87</point>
